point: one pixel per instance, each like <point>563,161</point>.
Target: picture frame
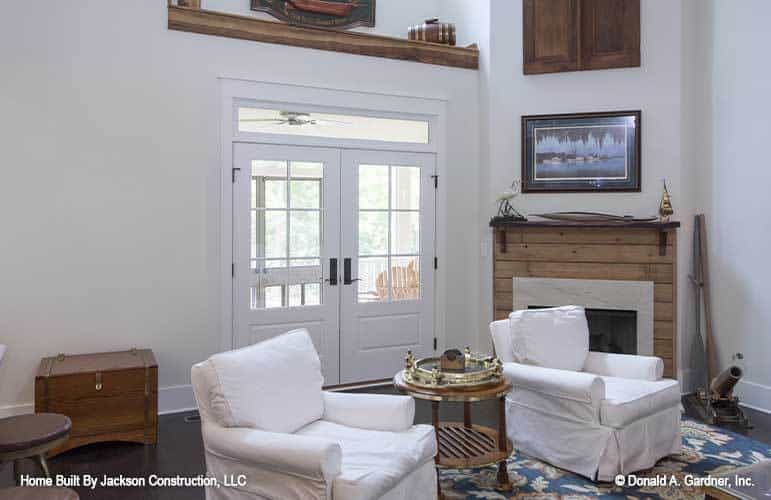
<point>330,14</point>
<point>582,152</point>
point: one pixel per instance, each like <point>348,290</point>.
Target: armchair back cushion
<point>274,385</point>
<point>556,337</point>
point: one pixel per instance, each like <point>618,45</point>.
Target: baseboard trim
<point>755,396</point>
<point>175,399</point>
<point>13,410</point>
<point>172,399</point>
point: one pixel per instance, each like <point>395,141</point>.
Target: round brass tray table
<point>463,444</point>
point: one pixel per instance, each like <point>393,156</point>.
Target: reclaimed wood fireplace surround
<point>630,251</point>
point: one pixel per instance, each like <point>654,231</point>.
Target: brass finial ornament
<point>409,361</point>
<point>498,367</point>
<point>665,206</point>
<point>435,376</point>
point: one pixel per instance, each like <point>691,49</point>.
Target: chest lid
<point>68,364</point>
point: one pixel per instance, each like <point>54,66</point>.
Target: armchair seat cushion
<point>374,461</point>
<point>627,400</point>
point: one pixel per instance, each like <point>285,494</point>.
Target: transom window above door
<point>334,126</point>
<point>286,233</point>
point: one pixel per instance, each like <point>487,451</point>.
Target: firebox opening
<point>610,330</point>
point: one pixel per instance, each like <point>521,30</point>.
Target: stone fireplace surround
<point>634,296</point>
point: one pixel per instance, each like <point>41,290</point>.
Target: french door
<point>388,247</point>
<point>340,242</point>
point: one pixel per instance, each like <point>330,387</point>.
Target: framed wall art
<point>337,14</point>
<point>581,152</point>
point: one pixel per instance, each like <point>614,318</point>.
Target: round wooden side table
<point>463,444</point>
<point>31,436</point>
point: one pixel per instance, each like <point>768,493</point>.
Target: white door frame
<point>340,101</point>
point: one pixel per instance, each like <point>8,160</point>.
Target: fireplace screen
<point>610,330</point>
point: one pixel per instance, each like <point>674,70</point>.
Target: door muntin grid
<point>286,233</point>
<point>388,223</point>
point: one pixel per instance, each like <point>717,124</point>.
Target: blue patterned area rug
<point>706,450</point>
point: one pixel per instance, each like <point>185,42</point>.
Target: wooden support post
<point>709,346</point>
<point>503,472</point>
<point>662,243</point>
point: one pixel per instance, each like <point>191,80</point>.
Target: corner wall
<point>654,88</point>
<point>737,201</point>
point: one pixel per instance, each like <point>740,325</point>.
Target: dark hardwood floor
<point>180,452</point>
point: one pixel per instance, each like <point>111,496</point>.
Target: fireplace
<point>610,330</point>
<point>619,313</point>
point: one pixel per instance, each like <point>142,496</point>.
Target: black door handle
<point>347,272</point>
<point>332,272</point>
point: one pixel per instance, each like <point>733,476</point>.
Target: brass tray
<point>426,372</point>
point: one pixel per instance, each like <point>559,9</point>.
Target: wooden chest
<point>111,396</point>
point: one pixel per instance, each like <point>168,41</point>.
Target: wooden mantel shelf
<point>662,227</point>
<point>248,28</point>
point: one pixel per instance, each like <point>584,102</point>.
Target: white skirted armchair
<point>270,429</point>
<point>592,413</point>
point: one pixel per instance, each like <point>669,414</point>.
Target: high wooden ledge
<point>215,23</point>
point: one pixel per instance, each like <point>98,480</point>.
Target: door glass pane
<point>307,170</point>
<point>254,251</point>
<point>286,225</point>
<point>305,193</point>
<point>295,295</point>
<point>373,275</point>
<point>373,187</point>
<point>274,296</point>
<point>305,237</point>
<point>373,233</point>
<point>274,234</point>
<point>312,294</point>
<point>304,275</point>
<point>405,278</point>
<point>268,284</point>
<point>268,184</point>
<point>275,193</point>
<point>405,232</point>
<point>389,233</point>
<point>405,188</point>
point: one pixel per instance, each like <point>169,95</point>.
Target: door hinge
<point>435,343</point>
<point>436,181</point>
<point>436,262</point>
<point>233,270</point>
<point>233,173</point>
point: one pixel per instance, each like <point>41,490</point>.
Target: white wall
<point>653,88</point>
<point>696,135</point>
<point>109,195</point>
<point>737,196</point>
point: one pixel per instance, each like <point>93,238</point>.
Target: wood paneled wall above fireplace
<point>638,252</point>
